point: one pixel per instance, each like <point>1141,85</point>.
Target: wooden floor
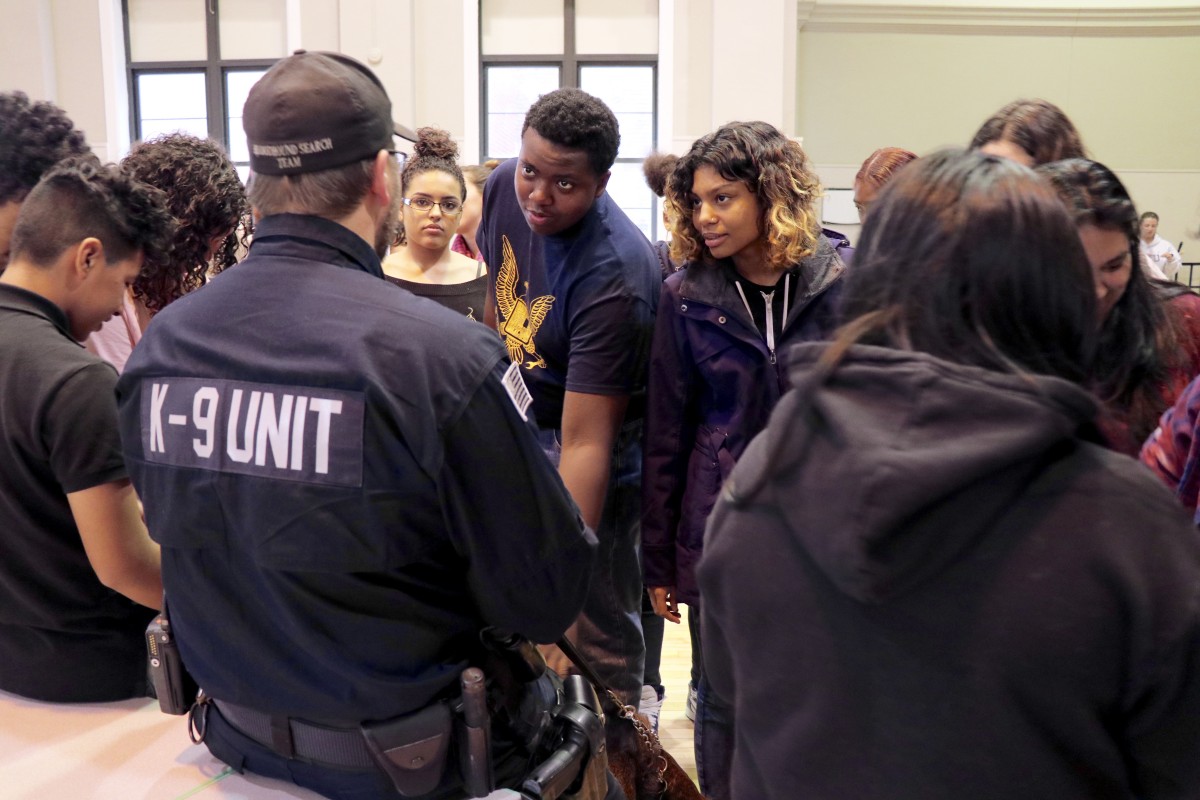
<point>674,729</point>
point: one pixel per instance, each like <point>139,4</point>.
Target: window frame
<point>570,64</point>
<point>214,68</point>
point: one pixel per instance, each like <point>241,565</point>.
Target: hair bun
<point>657,168</point>
<point>435,143</point>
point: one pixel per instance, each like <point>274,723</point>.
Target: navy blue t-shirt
<point>575,309</point>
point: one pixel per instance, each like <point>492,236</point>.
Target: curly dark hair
<point>772,166</point>
<point>81,198</point>
<point>1038,127</point>
<point>207,199</point>
<point>575,119</point>
<point>1142,340</point>
<point>434,150</point>
<point>656,168</point>
<point>33,138</point>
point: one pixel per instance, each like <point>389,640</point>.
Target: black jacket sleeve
<point>529,555</point>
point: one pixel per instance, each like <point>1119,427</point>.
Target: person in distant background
<point>1162,259</point>
<point>476,176</point>
<point>207,200</point>
<point>877,170</point>
<point>33,138</point>
<point>1030,132</point>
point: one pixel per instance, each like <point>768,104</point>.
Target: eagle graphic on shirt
<point>521,319</point>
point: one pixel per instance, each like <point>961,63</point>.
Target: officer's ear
<point>383,181</point>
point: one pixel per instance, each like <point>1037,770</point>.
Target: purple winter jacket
<point>712,386</point>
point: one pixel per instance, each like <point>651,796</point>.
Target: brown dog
<point>640,764</point>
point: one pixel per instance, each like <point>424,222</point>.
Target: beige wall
<point>1129,96</point>
<point>730,60</point>
<point>53,50</point>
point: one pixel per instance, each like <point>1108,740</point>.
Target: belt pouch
<point>412,749</point>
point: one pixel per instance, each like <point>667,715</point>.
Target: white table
<point>114,751</point>
<point>118,751</point>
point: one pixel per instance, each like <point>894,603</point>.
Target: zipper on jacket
<point>769,307</point>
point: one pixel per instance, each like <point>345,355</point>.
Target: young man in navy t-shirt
<point>573,291</point>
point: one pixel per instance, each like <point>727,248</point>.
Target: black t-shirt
<point>758,298</point>
<point>64,636</point>
<point>576,309</point>
<point>467,298</point>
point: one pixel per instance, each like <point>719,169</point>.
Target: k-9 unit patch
<point>296,433</point>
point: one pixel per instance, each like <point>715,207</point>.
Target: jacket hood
<point>889,468</point>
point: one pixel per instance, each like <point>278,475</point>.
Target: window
<point>608,48</point>
<point>192,62</point>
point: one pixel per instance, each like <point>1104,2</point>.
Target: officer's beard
<point>386,232</point>
<point>388,227</point>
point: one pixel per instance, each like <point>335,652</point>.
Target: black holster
<point>577,767</point>
<point>412,749</point>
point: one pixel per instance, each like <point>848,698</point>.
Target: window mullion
<point>214,80</point>
<point>570,64</point>
<point>131,84</point>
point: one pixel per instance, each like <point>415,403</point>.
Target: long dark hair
<point>1140,339</point>
<point>972,259</point>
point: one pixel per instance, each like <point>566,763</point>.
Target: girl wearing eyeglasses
<point>432,194</point>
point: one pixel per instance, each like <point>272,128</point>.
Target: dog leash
<point>649,738</point>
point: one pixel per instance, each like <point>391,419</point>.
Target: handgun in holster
<point>578,762</point>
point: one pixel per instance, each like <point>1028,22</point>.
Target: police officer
<point>340,474</point>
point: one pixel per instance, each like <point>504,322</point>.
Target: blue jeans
<point>653,627</point>
<point>714,728</point>
<point>608,632</point>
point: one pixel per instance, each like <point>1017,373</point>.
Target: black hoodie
<point>921,581</point>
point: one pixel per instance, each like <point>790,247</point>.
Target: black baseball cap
<point>316,111</point>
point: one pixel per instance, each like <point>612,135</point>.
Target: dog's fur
<point>636,763</point>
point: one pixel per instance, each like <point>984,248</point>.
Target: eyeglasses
<point>449,206</point>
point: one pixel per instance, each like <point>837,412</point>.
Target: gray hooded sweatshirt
<point>923,581</point>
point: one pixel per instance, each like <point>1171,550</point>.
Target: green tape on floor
<point>222,775</point>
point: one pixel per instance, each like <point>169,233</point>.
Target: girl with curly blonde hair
<point>758,275</point>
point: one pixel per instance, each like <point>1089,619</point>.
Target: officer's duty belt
<point>293,738</point>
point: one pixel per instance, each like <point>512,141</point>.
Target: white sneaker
<point>690,710</point>
<point>650,705</point>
